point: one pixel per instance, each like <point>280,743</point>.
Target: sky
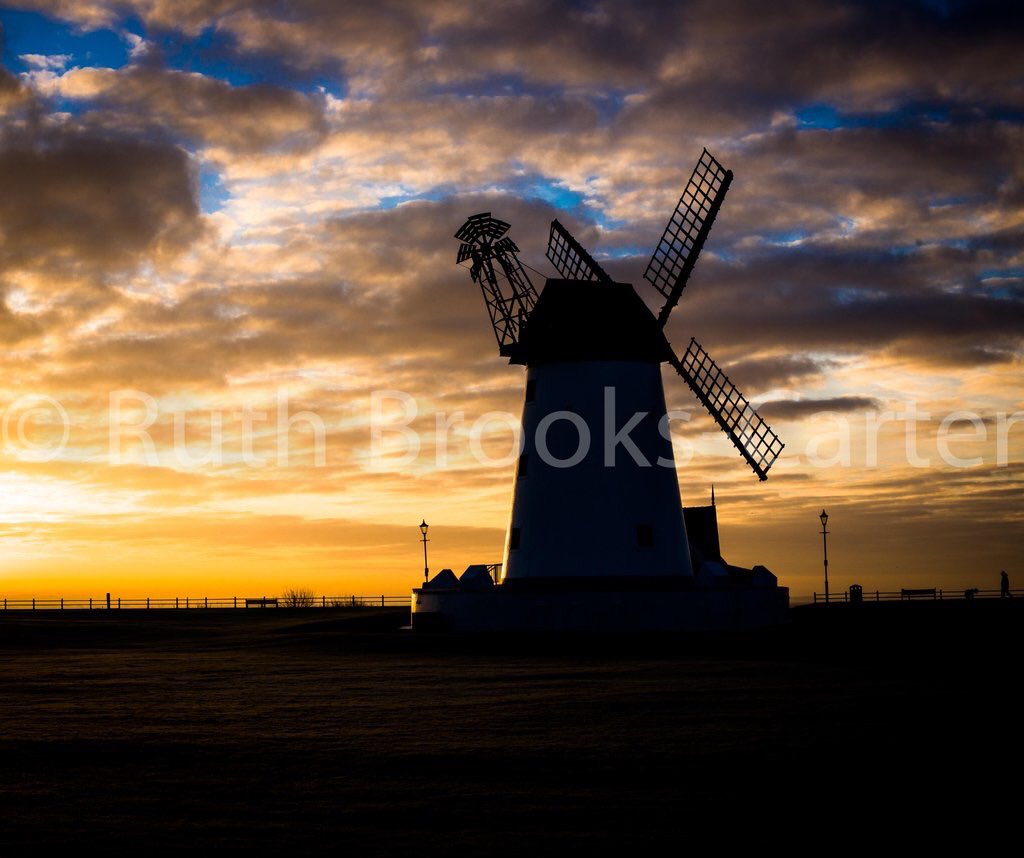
<point>230,298</point>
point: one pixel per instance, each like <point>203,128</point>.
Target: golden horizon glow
<point>252,241</point>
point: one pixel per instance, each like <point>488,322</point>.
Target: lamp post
<point>824,548</point>
<point>423,529</point>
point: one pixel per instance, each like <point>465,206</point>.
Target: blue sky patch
<point>1001,274</point>
<point>785,237</point>
<point>212,193</point>
<point>215,54</point>
<point>552,193</point>
<point>32,33</point>
<point>827,117</point>
<point>956,200</point>
<point>625,251</point>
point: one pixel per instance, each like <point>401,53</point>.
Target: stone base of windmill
<point>718,598</point>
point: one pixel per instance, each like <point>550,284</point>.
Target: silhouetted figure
<point>1004,586</point>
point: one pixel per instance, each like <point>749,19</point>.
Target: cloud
<point>795,409</point>
<point>80,210</point>
<point>373,302</point>
<point>144,97</point>
<point>869,250</point>
<point>857,53</point>
<point>11,91</point>
<point>75,200</point>
<point>755,374</point>
<point>46,62</point>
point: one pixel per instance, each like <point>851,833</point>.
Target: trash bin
<point>856,594</point>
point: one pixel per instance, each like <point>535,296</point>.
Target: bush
<point>298,599</point>
<point>347,602</point>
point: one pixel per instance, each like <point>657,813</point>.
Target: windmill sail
<point>754,438</point>
<point>687,230</point>
<point>510,298</point>
<point>570,258</point>
<point>484,243</point>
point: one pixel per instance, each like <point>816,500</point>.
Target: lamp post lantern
<point>423,529</point>
<point>824,548</point>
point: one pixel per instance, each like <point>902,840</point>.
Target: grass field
<point>307,729</point>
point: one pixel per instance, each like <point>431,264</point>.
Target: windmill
<point>668,271</point>
<point>597,537</point>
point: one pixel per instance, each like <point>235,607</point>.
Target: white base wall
<point>582,520</point>
<point>498,610</point>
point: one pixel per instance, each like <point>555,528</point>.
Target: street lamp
<point>824,548</point>
<point>423,529</point>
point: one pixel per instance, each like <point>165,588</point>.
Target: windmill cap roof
<point>584,320</point>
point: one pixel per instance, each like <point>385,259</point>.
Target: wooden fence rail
<point>190,602</point>
<point>916,594</point>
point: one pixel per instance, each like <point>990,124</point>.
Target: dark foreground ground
<point>301,730</point>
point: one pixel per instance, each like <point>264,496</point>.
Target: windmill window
<point>513,539</point>
<point>644,536</point>
<point>531,390</point>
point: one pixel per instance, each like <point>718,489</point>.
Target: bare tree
<point>298,598</point>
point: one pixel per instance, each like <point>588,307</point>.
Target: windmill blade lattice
<point>687,230</point>
<point>484,243</point>
<point>571,258</point>
<point>754,438</point>
<point>481,226</point>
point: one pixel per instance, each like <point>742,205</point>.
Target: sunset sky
<point>232,208</point>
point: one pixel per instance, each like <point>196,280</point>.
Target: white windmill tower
<point>596,537</point>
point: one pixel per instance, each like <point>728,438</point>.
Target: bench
<point>261,603</point>
<point>924,593</point>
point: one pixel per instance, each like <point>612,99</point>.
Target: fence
<point>915,594</point>
<point>190,602</point>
